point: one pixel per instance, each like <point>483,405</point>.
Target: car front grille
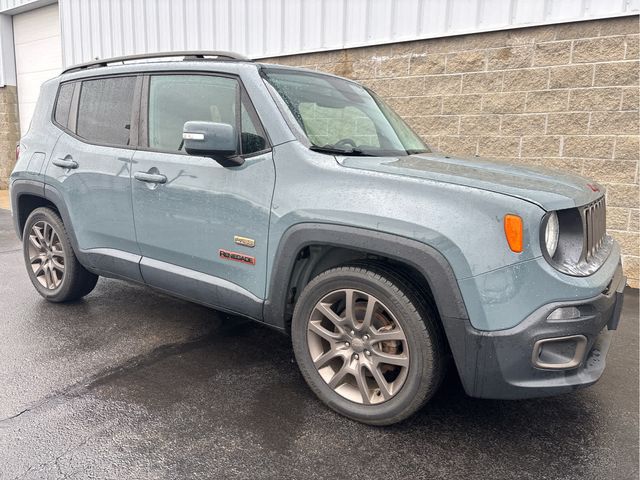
<point>595,227</point>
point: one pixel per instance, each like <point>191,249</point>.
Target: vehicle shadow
<point>243,381</point>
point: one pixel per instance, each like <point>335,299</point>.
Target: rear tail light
<point>17,152</point>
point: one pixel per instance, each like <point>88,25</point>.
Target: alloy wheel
<point>46,255</point>
<point>358,347</point>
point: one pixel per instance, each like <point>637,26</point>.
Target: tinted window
<point>104,113</point>
<point>63,105</point>
<point>253,138</point>
<point>176,99</point>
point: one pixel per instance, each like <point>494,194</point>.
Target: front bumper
<point>521,362</point>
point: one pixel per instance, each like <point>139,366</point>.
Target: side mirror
<point>209,139</point>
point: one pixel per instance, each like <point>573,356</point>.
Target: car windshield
<point>342,117</point>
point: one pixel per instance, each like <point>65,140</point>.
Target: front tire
<point>51,263</point>
<point>368,344</point>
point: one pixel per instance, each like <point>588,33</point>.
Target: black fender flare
<point>428,261</point>
<point>19,188</point>
<point>47,192</point>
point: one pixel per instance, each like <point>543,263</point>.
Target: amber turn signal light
<point>513,232</point>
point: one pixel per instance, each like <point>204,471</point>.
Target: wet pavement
<point>131,384</point>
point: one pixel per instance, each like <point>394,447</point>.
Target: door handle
<point>65,163</point>
<point>150,177</point>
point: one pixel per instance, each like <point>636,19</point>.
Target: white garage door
<point>36,35</point>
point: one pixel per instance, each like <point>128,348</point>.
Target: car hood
<point>548,189</point>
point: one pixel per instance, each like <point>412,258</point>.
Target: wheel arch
<point>27,195</point>
<point>338,244</point>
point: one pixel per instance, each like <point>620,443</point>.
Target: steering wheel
<point>345,142</point>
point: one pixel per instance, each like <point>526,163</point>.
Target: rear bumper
<point>543,355</point>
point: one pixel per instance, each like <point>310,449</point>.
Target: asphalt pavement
<point>131,384</point>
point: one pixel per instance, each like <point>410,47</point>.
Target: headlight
<point>552,233</point>
<point>568,239</point>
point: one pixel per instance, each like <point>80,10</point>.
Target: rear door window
<point>104,110</point>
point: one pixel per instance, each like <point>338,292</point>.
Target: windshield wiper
<point>416,151</point>
<point>338,151</point>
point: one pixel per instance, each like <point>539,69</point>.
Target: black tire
<point>417,319</point>
<point>76,280</point>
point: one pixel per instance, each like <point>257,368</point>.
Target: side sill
<point>201,288</point>
<point>110,262</point>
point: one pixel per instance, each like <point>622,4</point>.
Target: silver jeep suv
<point>302,201</point>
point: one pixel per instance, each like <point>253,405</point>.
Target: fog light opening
<point>560,353</point>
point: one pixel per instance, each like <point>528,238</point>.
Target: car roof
<point>141,57</point>
<point>202,61</point>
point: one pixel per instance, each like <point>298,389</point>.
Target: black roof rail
<point>188,55</point>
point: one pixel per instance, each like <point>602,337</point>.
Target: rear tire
<point>51,263</point>
<point>380,363</point>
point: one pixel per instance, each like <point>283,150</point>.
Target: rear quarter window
<point>104,110</point>
<point>63,104</point>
